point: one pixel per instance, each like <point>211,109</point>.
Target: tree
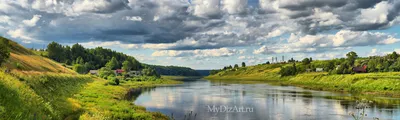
<point>372,65</point>
<point>394,55</point>
<point>291,60</point>
<point>112,64</point>
<point>78,50</point>
<point>79,68</point>
<point>79,60</point>
<point>230,67</point>
<point>104,72</point>
<point>351,57</point>
<point>4,50</point>
<point>148,71</point>
<point>267,62</point>
<point>56,52</point>
<point>68,55</point>
<point>136,64</point>
<point>306,61</point>
<point>243,64</point>
<point>236,66</point>
<point>329,66</point>
<point>127,65</point>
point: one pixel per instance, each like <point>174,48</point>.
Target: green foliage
<point>105,72</point>
<point>306,61</point>
<point>236,66</point>
<point>351,57</point>
<point>173,70</point>
<point>79,60</point>
<point>77,54</point>
<point>288,70</point>
<point>243,64</point>
<point>56,52</point>
<point>127,65</point>
<point>148,71</point>
<point>112,64</point>
<point>79,68</point>
<point>4,50</point>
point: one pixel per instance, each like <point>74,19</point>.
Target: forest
<point>86,59</point>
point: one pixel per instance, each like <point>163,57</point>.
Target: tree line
<point>84,59</point>
<point>235,67</point>
<point>4,50</point>
<point>349,65</point>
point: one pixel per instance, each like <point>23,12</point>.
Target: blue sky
<point>208,34</point>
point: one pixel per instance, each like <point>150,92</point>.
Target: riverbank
<point>48,95</point>
<point>378,84</point>
<point>102,101</point>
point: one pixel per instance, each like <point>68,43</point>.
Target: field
<point>381,84</point>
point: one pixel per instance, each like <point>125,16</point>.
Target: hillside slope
<point>381,84</point>
<point>38,88</point>
<point>24,59</point>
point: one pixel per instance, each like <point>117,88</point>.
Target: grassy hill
<point>382,84</point>
<point>26,60</point>
<point>42,89</point>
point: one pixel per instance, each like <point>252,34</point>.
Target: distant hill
<point>24,59</point>
<point>175,70</point>
<point>204,72</point>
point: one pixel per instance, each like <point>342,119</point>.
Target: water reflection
<point>269,102</point>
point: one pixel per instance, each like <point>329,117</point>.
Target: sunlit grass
<point>35,63</point>
<point>382,84</point>
<point>102,101</point>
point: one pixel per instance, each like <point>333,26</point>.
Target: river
<point>205,100</point>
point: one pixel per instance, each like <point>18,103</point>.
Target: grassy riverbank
<point>47,95</point>
<point>101,101</point>
<point>381,84</point>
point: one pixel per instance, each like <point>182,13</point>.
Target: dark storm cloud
<point>306,4</point>
<point>125,32</point>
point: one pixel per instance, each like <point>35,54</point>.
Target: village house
<point>133,73</point>
<point>94,72</point>
<point>319,70</point>
<point>362,69</point>
<point>118,71</point>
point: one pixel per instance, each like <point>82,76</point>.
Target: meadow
<point>380,83</point>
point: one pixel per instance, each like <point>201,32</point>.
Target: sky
<point>208,34</point>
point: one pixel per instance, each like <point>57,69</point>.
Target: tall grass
<point>383,84</point>
<point>103,101</point>
<point>35,63</point>
<point>36,95</point>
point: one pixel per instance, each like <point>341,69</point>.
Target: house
<point>337,67</point>
<point>319,70</point>
<point>133,73</point>
<point>118,71</point>
<point>94,72</point>
<point>362,69</point>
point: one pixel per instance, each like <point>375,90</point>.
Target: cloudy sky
<point>208,34</point>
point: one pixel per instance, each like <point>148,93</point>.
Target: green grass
<point>103,101</point>
<point>34,95</point>
<point>258,72</point>
<point>47,96</point>
<point>381,84</point>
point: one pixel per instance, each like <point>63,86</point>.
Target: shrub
<point>106,72</point>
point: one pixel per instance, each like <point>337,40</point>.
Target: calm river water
<point>235,101</point>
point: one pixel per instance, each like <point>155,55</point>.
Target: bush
<point>106,72</point>
<point>79,68</point>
